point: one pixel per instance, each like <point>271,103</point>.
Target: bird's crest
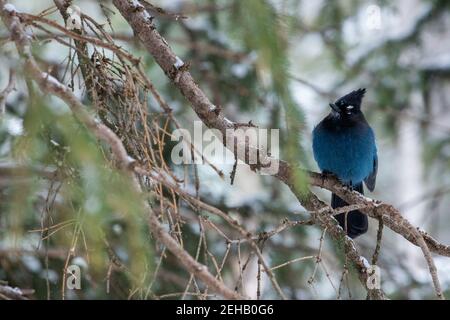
<point>353,98</point>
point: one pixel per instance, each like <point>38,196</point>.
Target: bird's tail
<point>357,222</point>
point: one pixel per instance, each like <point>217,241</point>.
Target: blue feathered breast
<point>348,152</point>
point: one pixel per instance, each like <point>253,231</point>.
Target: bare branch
<point>9,293</point>
<point>389,215</point>
<point>8,89</point>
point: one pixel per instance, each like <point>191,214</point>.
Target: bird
<point>344,146</point>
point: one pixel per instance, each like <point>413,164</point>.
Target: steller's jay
<point>344,145</point>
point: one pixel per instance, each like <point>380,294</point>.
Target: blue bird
<point>344,145</point>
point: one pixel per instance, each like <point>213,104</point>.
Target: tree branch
<point>9,293</point>
<point>8,89</point>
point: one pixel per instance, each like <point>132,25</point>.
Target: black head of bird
<point>350,104</point>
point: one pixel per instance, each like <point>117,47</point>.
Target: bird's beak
<point>334,107</point>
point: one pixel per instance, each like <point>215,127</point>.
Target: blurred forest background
<point>277,63</point>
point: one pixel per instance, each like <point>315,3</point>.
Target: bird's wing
<point>372,178</point>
